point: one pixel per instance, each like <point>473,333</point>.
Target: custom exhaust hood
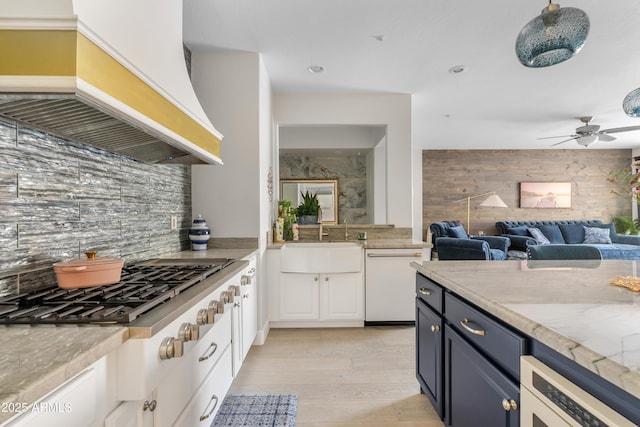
<point>108,73</point>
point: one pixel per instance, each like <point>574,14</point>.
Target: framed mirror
<point>326,189</point>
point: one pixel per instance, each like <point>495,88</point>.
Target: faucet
<point>346,232</point>
<point>320,232</point>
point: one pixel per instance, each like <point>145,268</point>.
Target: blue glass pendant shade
<point>552,37</point>
<point>631,103</point>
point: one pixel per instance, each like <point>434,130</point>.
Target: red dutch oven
<point>85,273</point>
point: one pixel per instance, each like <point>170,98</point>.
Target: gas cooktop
<point>142,287</point>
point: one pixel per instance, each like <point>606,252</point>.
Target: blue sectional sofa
<point>571,232</point>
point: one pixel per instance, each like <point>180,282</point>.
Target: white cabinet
<point>324,298</point>
<point>341,296</point>
<point>244,313</point>
<point>299,296</point>
<point>202,408</point>
<point>248,290</point>
<point>130,414</point>
<point>82,401</point>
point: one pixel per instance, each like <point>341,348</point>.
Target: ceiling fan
<point>588,134</point>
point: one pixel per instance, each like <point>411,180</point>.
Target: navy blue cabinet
<point>478,393</point>
<point>467,362</point>
<point>429,338</point>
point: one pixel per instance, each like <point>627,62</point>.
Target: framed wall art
<point>545,195</point>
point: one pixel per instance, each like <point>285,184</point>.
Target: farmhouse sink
<point>321,257</point>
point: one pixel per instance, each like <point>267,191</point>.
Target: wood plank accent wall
<point>449,175</point>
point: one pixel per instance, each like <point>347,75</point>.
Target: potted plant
<point>307,212</point>
<point>626,225</point>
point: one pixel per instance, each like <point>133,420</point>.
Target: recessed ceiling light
<point>315,69</point>
<point>458,69</point>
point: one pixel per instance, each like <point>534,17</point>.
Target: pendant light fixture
<point>554,36</point>
<point>631,103</point>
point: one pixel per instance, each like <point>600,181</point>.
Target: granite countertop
<point>34,360</point>
<point>366,244</point>
<point>569,306</point>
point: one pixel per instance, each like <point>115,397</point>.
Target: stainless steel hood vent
<point>68,117</point>
<point>84,70</point>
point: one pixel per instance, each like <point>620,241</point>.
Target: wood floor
<point>342,376</point>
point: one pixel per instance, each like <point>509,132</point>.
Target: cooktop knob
<point>189,332</point>
<point>171,347</point>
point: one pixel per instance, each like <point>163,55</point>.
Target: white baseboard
<point>261,336</point>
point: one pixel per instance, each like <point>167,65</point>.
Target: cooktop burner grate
<point>141,288</point>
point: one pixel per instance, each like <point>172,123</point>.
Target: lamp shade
<point>631,103</point>
<point>554,36</point>
<point>494,201</point>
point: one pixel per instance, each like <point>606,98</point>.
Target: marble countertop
<point>367,244</point>
<point>34,360</point>
<point>569,306</point>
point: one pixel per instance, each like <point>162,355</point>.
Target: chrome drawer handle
<point>435,328</point>
<point>204,417</point>
<point>203,358</point>
<point>464,322</point>
<point>424,291</point>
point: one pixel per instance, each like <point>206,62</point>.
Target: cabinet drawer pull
<point>464,322</point>
<point>203,358</point>
<point>509,405</point>
<point>149,406</point>
<point>435,328</point>
<point>424,291</point>
<point>203,416</point>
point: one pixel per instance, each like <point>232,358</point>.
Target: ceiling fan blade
<point>562,142</point>
<point>606,138</point>
<point>623,129</point>
<point>560,136</point>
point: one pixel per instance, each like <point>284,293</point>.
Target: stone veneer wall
<point>59,199</point>
<point>349,170</point>
<point>448,175</point>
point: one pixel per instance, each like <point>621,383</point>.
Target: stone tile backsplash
<point>59,199</point>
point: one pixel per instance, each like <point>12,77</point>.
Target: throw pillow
<point>572,233</point>
<point>458,232</point>
<point>597,235</point>
<point>518,231</point>
<point>537,234</point>
<point>553,233</point>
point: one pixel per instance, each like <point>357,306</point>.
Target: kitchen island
<point>569,308</point>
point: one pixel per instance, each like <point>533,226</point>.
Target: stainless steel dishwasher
<point>390,285</point>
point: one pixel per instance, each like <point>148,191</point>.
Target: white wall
<point>380,182</point>
<point>235,90</point>
<point>390,110</point>
<point>228,196</point>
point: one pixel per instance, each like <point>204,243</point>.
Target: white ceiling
<point>495,104</point>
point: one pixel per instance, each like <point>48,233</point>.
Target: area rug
<point>277,410</point>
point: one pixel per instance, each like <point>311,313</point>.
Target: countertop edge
<point>365,244</point>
